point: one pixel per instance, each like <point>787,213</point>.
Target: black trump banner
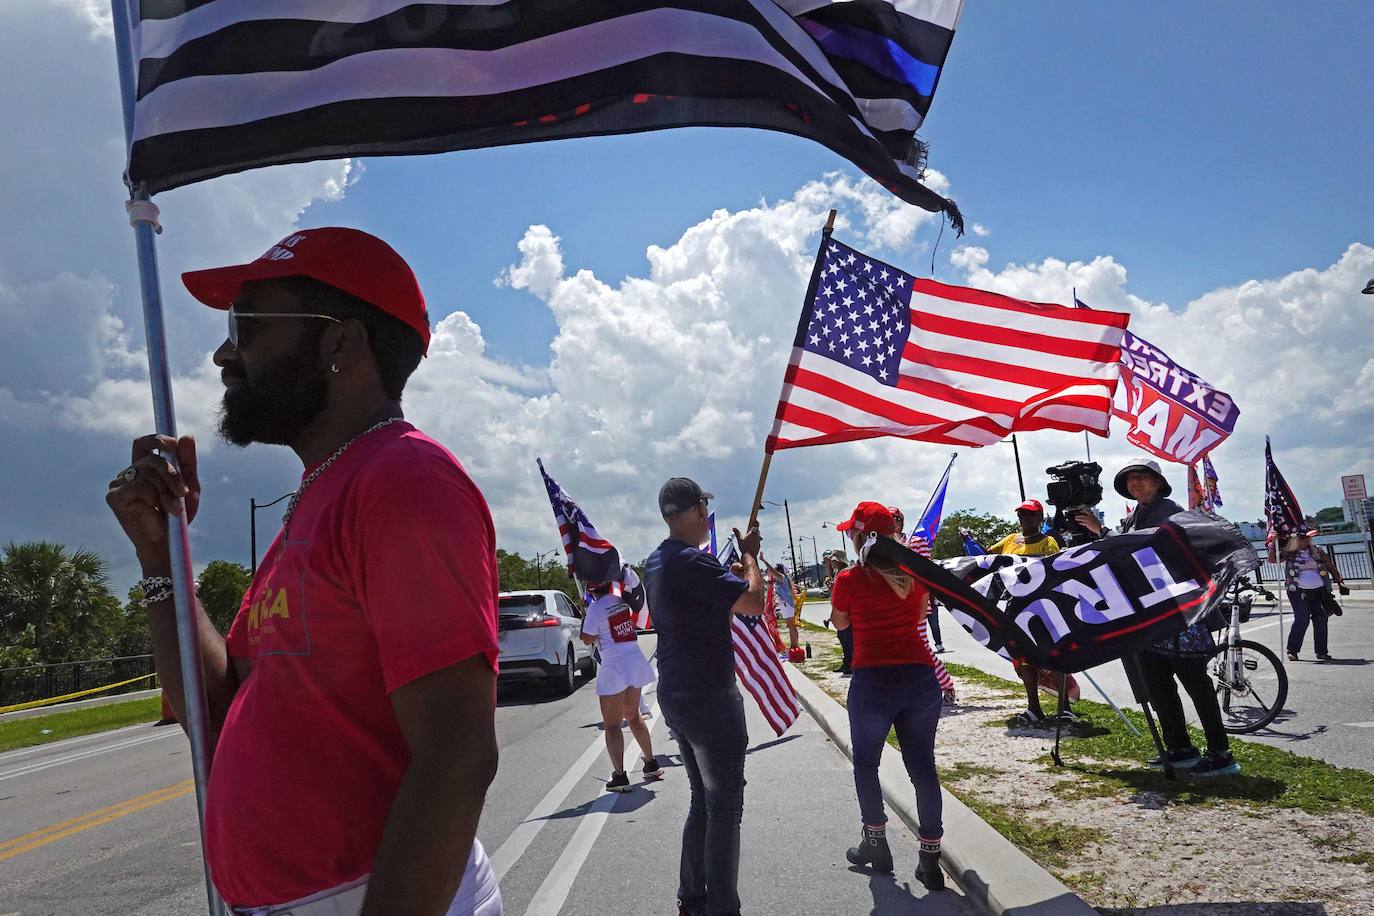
<point>1092,603</point>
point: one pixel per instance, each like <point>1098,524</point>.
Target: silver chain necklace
<point>296,497</point>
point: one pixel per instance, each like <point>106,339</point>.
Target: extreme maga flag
<point>879,352</point>
<point>231,85</point>
<point>1174,414</point>
<point>1093,603</point>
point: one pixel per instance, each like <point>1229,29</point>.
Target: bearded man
<point>352,705</point>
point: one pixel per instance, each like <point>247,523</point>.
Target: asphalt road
<point>1329,713</point>
<point>106,824</point>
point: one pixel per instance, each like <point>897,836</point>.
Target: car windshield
<point>521,605</point>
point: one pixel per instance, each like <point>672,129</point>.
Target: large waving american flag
<point>879,352</point>
<point>230,85</point>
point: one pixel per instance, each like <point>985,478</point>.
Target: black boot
<point>872,850</point>
<point>928,870</point>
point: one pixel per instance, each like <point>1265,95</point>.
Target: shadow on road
<point>1219,909</point>
<point>529,693</point>
<point>626,803</point>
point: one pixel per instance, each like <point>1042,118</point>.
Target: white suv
<point>538,634</point>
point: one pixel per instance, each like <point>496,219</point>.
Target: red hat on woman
<point>868,517</point>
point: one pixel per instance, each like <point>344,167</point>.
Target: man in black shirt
<point>693,597</point>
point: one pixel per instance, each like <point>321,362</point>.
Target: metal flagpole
<point>1020,481</point>
<point>801,327</point>
<point>143,216</point>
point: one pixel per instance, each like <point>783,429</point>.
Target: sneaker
<point>1323,658</point>
<point>1215,763</point>
<point>1292,656</point>
<point>619,782</point>
<point>1184,759</point>
<point>1027,719</point>
<point>939,648</point>
<point>652,770</point>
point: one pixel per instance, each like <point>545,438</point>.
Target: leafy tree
<point>519,574</point>
<point>1331,514</point>
<point>55,604</point>
<point>221,587</point>
<point>986,529</point>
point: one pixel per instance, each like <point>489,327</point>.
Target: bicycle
<point>1251,681</point>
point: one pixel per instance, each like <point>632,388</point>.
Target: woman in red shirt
<point>893,686</point>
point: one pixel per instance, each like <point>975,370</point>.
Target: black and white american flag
<point>228,85</point>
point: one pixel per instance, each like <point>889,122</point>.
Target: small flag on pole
<point>1283,516</point>
<point>929,525</point>
<point>591,558</point>
<point>1211,484</point>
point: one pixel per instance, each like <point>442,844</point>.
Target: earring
<point>333,368</point>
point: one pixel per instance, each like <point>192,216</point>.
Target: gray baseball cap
<point>680,494</point>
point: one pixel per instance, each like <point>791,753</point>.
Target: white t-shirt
<point>612,622</point>
<point>1307,567</point>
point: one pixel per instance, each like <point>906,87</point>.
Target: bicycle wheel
<point>1252,685</point>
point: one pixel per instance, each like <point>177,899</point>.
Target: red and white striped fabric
<point>879,352</point>
<point>922,546</point>
<point>759,670</point>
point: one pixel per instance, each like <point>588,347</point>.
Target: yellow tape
<point>72,696</point>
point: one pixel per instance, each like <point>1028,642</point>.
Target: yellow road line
<point>53,832</point>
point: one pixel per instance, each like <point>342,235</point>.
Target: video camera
<point>1074,486</point>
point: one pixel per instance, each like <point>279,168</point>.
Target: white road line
<point>81,755</point>
<point>1360,724</point>
<point>548,900</point>
<point>520,838</point>
<point>65,743</point>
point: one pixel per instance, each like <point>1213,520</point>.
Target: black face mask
<point>284,398</point>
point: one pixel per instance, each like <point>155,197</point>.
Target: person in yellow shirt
<point>1031,541</point>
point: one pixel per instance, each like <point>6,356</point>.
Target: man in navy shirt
<point>693,597</point>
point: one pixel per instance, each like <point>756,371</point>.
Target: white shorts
<point>623,670</point>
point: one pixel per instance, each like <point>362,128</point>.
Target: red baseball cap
<point>870,517</point>
<point>348,259</point>
<point>1031,505</point>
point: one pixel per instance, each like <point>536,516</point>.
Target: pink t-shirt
<point>389,574</point>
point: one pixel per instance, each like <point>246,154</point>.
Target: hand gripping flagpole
<point>143,214</point>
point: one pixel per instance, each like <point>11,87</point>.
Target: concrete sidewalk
<point>993,873</point>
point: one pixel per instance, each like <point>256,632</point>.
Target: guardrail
<point>38,682</point>
<point>1353,564</point>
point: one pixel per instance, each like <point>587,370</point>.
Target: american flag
<point>591,558</point>
<point>879,352</point>
<point>759,670</point>
<point>756,657</point>
<point>227,86</point>
<point>1282,514</point>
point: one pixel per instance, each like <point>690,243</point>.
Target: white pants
<point>478,895</point>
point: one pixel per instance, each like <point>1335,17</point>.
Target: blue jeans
<point>905,697</point>
<point>1307,607</point>
<point>712,739</point>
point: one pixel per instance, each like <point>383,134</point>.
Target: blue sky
<point>1205,167</point>
<point>1203,144</point>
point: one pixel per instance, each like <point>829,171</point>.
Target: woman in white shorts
<point>624,672</point>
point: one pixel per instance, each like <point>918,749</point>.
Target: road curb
<point>993,873</point>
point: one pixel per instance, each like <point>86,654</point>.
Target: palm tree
<point>63,595</point>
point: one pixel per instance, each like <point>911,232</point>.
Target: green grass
<point>56,726</point>
<point>1050,843</point>
<point>1114,759</point>
<point>963,769</point>
<point>1360,858</point>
